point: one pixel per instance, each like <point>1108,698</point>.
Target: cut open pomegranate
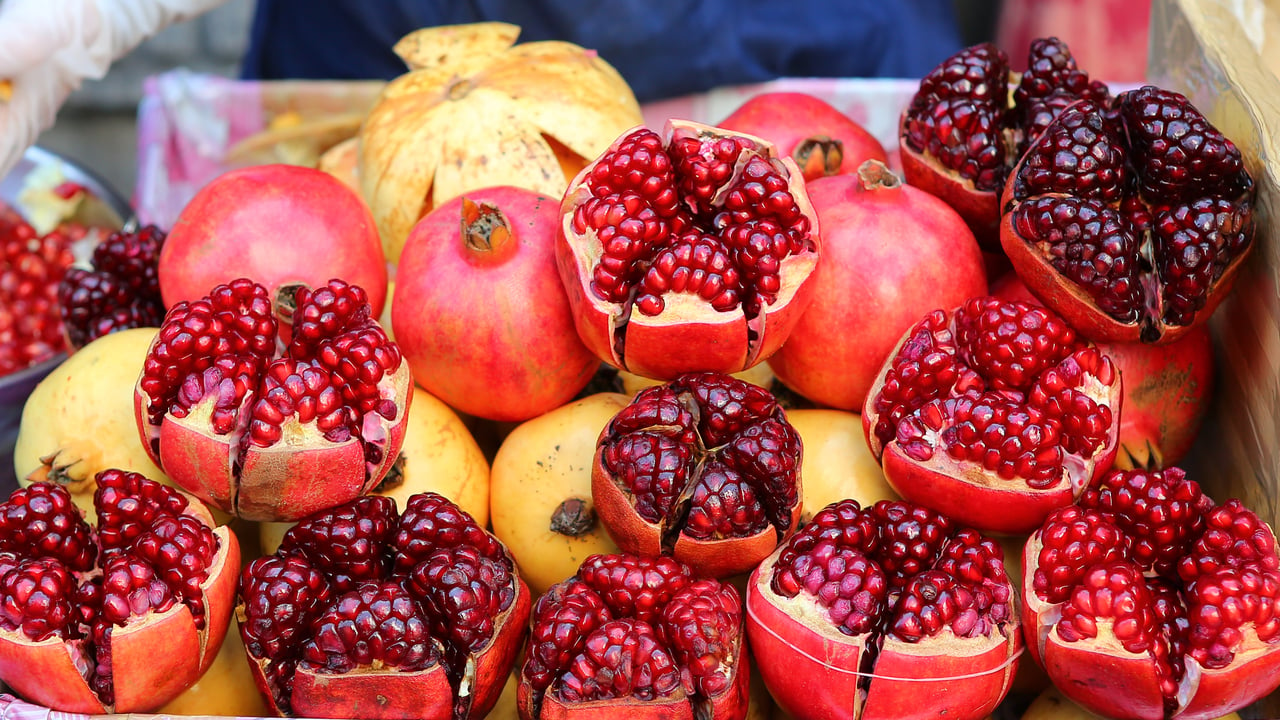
<point>637,637</point>
<point>368,612</point>
<point>705,467</point>
<point>994,413</point>
<point>972,118</point>
<point>686,251</point>
<point>1130,218</point>
<point>269,436</point>
<point>121,291</point>
<point>1146,600</point>
<point>122,618</point>
<point>889,611</point>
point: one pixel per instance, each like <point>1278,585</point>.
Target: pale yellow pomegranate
<point>226,688</point>
<point>540,499</point>
<point>79,420</point>
<point>438,455</point>
<point>837,463</point>
<point>1052,705</point>
<point>477,110</point>
<point>760,374</point>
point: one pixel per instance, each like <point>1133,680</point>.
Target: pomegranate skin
<point>892,253</point>
<point>489,331</point>
<point>821,139</point>
<point>980,209</point>
<point>279,225</point>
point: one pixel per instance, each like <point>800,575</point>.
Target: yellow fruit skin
<point>543,462</point>
<point>226,688</point>
<point>81,416</point>
<point>759,374</point>
<point>1053,705</point>
<point>439,455</point>
<point>837,463</point>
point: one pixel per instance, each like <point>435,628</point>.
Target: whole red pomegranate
<point>633,636</point>
<point>267,430</point>
<point>889,611</point>
<point>994,413</point>
<point>1130,219</point>
<point>367,612</point>
<point>685,251</point>
<point>891,253</point>
<point>821,139</point>
<point>479,311</point>
<point>1148,600</point>
<point>972,117</point>
<point>705,467</point>
<point>282,225</point>
<point>122,291</point>
<point>119,618</point>
<point>1167,389</point>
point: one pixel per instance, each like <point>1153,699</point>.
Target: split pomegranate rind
<point>269,429</point>
<point>994,413</point>
<point>888,611</point>
<point>1130,218</point>
<point>368,612</point>
<point>972,117</point>
<point>705,468</point>
<point>636,636</point>
<point>687,250</point>
<point>1149,600</point>
<point>119,618</point>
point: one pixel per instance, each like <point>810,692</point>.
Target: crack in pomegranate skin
<point>628,627</point>
<point>61,579</point>
<point>363,588</point>
<point>1138,202</point>
<point>1171,576</point>
<point>705,456</point>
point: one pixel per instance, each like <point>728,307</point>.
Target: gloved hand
<point>48,47</point>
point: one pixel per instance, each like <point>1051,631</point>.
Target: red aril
<point>31,266</point>
<point>687,250</point>
<point>1148,600</point>
<point>122,290</point>
<point>480,312</point>
<point>891,253</point>
<point>268,430</point>
<point>884,612</point>
<point>821,139</point>
<point>282,225</point>
<point>994,413</point>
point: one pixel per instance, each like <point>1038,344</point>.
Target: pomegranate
<point>837,462</point>
<point>79,420</point>
<point>639,637</point>
<point>1051,704</point>
<point>438,455</point>
<point>1130,219</point>
<point>888,611</point>
<point>1167,389</point>
<point>891,254</point>
<point>265,437</point>
<point>971,119</point>
<point>122,618</point>
<point>689,250</point>
<point>479,309</point>
<point>121,291</point>
<point>31,266</point>
<point>477,110</point>
<point>282,225</point>
<point>540,498</point>
<point>705,467</point>
<point>226,688</point>
<point>368,612</point>
<point>821,139</point>
<point>1148,600</point>
<point>994,413</point>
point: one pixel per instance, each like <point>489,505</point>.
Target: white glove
<point>48,47</point>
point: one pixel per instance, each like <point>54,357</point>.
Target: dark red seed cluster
<point>122,290</point>
<point>31,266</point>
<point>363,587</point>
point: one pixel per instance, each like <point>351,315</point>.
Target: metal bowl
<point>103,207</point>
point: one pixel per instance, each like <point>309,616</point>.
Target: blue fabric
<point>664,48</point>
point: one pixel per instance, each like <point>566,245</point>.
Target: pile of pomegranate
<point>715,421</point>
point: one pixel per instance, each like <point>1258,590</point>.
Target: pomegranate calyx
<point>874,175</point>
<point>485,230</point>
<point>819,155</point>
<point>574,517</point>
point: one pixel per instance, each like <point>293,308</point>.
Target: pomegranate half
<point>687,250</point>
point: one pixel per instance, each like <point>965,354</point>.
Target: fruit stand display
<point>488,391</point>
